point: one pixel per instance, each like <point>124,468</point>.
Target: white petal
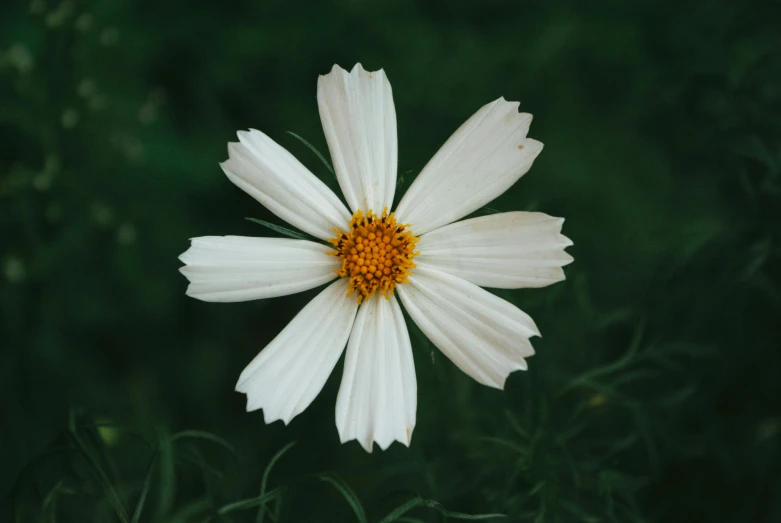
<point>287,375</point>
<point>359,120</point>
<point>237,268</point>
<point>275,178</point>
<point>378,395</point>
<point>484,335</point>
<point>507,251</point>
<point>483,158</point>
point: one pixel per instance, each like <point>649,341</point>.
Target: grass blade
<point>100,475</point>
<point>166,491</point>
<point>399,511</point>
<point>430,503</point>
<point>50,500</point>
<point>186,513</point>
<point>280,229</point>
<point>264,482</point>
<point>251,502</point>
<point>348,494</point>
<point>144,492</point>
<point>197,434</point>
<point>49,507</point>
<point>619,364</point>
<point>314,150</point>
<point>195,456</point>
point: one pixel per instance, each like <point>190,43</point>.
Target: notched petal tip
<point>240,385</point>
<point>228,167</point>
<point>357,70</point>
<point>195,294</point>
<point>268,416</point>
<point>533,146</point>
<point>335,70</point>
<point>384,443</point>
<point>246,137</point>
<point>233,150</point>
<point>500,385</point>
<point>513,114</point>
<point>503,101</point>
<point>368,445</point>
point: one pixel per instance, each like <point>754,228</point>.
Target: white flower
<point>432,262</point>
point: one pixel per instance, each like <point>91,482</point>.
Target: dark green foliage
<point>654,394</point>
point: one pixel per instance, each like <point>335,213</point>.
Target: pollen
<point>376,254</point>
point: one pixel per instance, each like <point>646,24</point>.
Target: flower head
<point>376,254</point>
<point>435,264</point>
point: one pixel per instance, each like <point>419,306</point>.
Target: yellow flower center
<point>376,254</point>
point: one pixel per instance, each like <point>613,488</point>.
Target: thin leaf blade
<point>278,228</point>
<point>264,482</point>
<point>144,491</point>
<point>314,150</point>
<point>197,434</point>
<point>348,494</point>
<point>251,502</point>
<point>399,511</point>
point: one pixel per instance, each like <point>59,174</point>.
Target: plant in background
<point>435,262</point>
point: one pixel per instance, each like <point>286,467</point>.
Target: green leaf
<point>49,501</point>
<point>400,179</point>
<point>348,494</point>
<point>396,514</point>
<point>197,434</point>
<point>399,511</point>
<point>280,229</point>
<point>264,482</point>
<point>460,515</point>
<point>49,506</point>
<point>195,456</point>
<point>624,361</point>
<point>314,150</point>
<point>100,474</point>
<point>252,502</point>
<point>144,492</point>
<point>166,491</point>
<point>184,514</point>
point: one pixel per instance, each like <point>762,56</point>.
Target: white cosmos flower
<point>434,263</point>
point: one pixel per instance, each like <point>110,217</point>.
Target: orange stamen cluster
<point>376,254</point>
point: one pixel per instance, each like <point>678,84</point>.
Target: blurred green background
<point>654,394</point>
